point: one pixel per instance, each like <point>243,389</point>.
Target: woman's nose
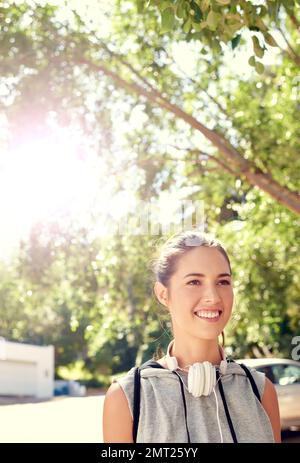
<point>211,296</point>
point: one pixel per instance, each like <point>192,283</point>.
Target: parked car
<point>285,375</point>
<point>72,388</point>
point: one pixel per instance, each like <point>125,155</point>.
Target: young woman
<point>194,394</point>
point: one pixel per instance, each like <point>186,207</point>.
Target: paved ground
<point>62,419</point>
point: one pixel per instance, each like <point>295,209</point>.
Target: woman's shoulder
<point>124,379</point>
<point>117,416</point>
<point>259,377</point>
<point>120,392</point>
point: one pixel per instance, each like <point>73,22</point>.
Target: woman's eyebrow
<point>202,275</point>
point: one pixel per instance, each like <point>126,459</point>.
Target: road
<point>62,419</point>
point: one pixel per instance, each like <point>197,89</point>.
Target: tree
<point>213,22</point>
<point>230,141</point>
<point>96,58</point>
<point>90,298</point>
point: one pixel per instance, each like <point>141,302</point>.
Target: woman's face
<point>200,294</point>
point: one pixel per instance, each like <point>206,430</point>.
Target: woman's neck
<point>195,350</point>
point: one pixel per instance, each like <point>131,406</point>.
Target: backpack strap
<point>253,383</point>
<point>137,394</point>
<point>136,402</point>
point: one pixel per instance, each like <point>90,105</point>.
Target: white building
<point>26,370</point>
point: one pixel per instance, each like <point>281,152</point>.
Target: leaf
<point>258,50</point>
<point>223,2</point>
<point>201,26</point>
<point>167,20</point>
<point>273,9</point>
<point>233,16</point>
<point>259,67</point>
<point>216,47</point>
<point>213,20</point>
<point>235,41</point>
<point>197,12</point>
<point>260,24</point>
<point>270,40</point>
<point>180,10</point>
<point>198,26</point>
<point>187,25</point>
<point>232,29</point>
<point>205,4</point>
<point>164,5</point>
<point>263,11</point>
<point>252,61</point>
<point>196,36</point>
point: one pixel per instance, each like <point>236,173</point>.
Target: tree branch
<point>204,90</point>
<point>217,160</point>
<point>223,165</point>
<point>120,58</point>
<point>290,50</point>
<point>246,168</point>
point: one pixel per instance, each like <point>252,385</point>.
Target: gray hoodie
<point>162,412</point>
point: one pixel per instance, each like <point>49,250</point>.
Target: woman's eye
<point>197,282</point>
<point>224,282</point>
<point>193,281</point>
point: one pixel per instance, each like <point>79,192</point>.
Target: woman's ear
<point>161,292</point>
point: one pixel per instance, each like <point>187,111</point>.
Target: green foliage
<point>267,288</point>
<point>92,298</point>
<point>218,21</point>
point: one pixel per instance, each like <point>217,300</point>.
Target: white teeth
<point>206,314</point>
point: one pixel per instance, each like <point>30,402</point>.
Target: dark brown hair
<point>165,264</point>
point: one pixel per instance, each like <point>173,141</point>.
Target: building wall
<point>26,370</point>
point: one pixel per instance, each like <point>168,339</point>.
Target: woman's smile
<point>209,316</point>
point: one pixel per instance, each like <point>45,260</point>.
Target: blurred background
<point>107,108</point>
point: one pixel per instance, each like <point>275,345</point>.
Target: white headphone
<point>202,377</point>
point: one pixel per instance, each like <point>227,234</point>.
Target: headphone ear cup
<point>195,380</point>
<point>201,378</point>
<point>193,373</point>
<point>209,376</point>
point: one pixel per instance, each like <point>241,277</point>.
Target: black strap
<point>253,384</point>
<point>136,402</point>
<point>184,406</point>
<point>137,394</point>
<point>226,407</point>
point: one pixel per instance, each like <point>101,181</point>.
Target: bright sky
<point>41,179</point>
<point>47,178</point>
